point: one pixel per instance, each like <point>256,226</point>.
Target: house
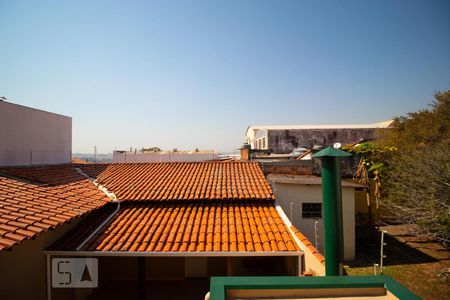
<point>37,206</point>
<point>300,196</point>
<point>163,156</point>
<point>286,138</point>
<point>175,221</point>
<point>179,221</point>
<point>134,228</point>
<point>131,230</point>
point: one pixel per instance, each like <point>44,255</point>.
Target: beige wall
<point>22,269</point>
<point>311,263</point>
<point>287,193</point>
<point>31,136</point>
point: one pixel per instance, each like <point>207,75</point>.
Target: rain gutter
<point>174,254</point>
<point>99,227</point>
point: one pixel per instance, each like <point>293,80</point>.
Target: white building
<point>285,138</point>
<point>164,156</point>
<point>300,196</point>
<point>30,136</point>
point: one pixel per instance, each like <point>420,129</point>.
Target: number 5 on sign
<point>74,272</point>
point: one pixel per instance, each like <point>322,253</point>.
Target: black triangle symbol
<point>86,275</point>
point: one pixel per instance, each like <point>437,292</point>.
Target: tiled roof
<point>50,175</point>
<point>308,244</point>
<point>35,199</point>
<point>76,160</point>
<point>183,181</point>
<point>201,226</point>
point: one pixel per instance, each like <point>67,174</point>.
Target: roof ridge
<point>102,188</point>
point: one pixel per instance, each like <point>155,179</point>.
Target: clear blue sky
<point>190,74</point>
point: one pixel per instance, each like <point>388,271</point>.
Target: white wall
<point>31,136</point>
<point>287,193</point>
<point>130,157</point>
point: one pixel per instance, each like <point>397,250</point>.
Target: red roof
<point>308,244</point>
<point>183,181</point>
<point>35,199</point>
<point>204,226</point>
<point>226,207</point>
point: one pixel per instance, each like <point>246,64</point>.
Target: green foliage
<point>373,162</point>
<point>423,128</point>
<point>417,181</point>
<point>412,164</point>
<point>417,188</point>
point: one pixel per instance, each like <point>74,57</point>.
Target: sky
<point>196,74</point>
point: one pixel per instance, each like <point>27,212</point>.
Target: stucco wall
<point>31,136</point>
<point>287,193</point>
<point>284,141</point>
<point>311,263</point>
<point>22,269</point>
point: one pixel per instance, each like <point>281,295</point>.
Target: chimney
<point>332,209</point>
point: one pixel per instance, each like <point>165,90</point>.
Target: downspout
<point>99,227</point>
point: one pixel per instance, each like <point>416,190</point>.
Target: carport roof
<point>168,227</point>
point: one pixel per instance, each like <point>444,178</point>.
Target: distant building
<point>163,156</point>
<point>286,138</point>
<point>30,136</point>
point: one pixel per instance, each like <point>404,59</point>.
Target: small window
<point>312,210</point>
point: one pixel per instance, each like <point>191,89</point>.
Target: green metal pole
<point>332,208</point>
<point>339,212</point>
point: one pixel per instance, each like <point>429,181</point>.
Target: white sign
<point>74,272</point>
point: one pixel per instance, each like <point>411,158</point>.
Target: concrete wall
<point>22,269</point>
<point>33,137</point>
<point>291,167</point>
<point>287,193</point>
<point>284,141</point>
<point>311,263</point>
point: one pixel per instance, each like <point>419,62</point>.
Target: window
<point>312,210</point>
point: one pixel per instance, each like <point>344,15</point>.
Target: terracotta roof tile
<point>181,227</point>
<point>183,181</point>
<point>308,244</point>
<point>35,199</point>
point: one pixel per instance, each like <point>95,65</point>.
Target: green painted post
<point>332,208</point>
